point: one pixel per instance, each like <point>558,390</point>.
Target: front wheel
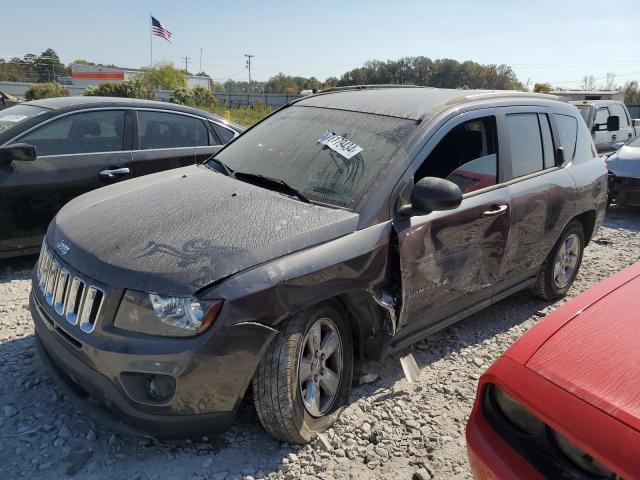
<point>561,266</point>
<point>304,378</point>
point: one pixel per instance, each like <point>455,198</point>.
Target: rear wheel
<point>304,378</point>
<point>559,270</point>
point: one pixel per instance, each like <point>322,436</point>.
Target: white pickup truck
<point>609,122</point>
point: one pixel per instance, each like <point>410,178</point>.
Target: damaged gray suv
<point>348,224</point>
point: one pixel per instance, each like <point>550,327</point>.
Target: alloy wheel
<point>320,367</point>
<point>565,264</point>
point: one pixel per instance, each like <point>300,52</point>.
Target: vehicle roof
<point>409,102</point>
<point>594,102</point>
<point>70,103</point>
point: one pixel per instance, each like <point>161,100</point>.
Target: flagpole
<point>151,39</point>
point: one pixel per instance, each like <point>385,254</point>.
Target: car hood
<point>178,231</point>
<point>625,162</point>
<point>596,355</point>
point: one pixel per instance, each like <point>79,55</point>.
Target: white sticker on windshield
<point>13,118</point>
<point>339,144</point>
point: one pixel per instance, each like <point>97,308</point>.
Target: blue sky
<point>555,41</point>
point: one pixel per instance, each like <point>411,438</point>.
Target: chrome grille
<point>71,297</point>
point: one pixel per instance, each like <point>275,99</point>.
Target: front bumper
<point>624,190</point>
<point>210,376</point>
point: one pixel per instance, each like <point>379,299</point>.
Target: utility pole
<point>200,60</point>
<point>249,57</point>
<point>186,64</point>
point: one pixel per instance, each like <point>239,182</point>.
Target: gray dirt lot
<point>391,429</point>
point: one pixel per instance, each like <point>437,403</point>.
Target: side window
<point>170,130</point>
<point>585,148</point>
<point>602,114</point>
<point>88,132</point>
<point>467,156</point>
<point>619,111</point>
<point>525,143</point>
<point>567,129</point>
<point>547,141</point>
<point>224,134</point>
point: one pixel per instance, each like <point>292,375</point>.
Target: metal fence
<point>274,100</point>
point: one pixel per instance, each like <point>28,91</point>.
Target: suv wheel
<point>561,266</point>
<point>305,375</point>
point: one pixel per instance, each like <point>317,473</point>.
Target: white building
<point>89,75</point>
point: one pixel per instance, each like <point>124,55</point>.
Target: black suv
<point>347,224</point>
<point>83,143</point>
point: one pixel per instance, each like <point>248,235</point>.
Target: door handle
<point>613,137</point>
<point>115,172</point>
<point>497,210</point>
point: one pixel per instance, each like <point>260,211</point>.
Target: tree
<point>46,90</point>
<point>631,92</point>
<point>542,88</point>
<point>132,88</point>
<point>611,81</point>
<point>45,67</point>
<point>198,97</point>
<point>164,77</point>
<point>588,83</point>
<point>444,73</point>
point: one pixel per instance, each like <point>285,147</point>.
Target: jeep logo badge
<point>62,247</point>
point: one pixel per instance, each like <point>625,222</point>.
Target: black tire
<point>276,389</point>
<point>546,286</point>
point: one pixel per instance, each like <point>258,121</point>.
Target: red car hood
<point>591,347</point>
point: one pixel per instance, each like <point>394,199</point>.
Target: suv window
<point>170,130</point>
<point>602,113</point>
<point>525,143</point>
<point>567,130</point>
<point>616,109</point>
<point>467,156</point>
<point>224,134</point>
<point>88,132</point>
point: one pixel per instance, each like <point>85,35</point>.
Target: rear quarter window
<point>568,131</point>
<point>585,148</point>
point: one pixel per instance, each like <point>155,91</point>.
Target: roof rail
<point>367,87</point>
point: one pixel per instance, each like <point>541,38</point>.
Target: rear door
<point>76,153</point>
<point>165,140</point>
<point>451,260</point>
<point>542,191</point>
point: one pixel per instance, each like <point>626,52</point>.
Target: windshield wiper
<point>281,185</point>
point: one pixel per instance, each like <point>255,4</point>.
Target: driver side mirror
<point>431,194</point>
<point>17,152</point>
<point>612,125</point>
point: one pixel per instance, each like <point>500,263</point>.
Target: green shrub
<point>198,97</point>
<point>132,88</point>
<point>46,90</point>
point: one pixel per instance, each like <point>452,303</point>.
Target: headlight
<point>164,315</point>
<point>515,413</point>
<point>580,459</point>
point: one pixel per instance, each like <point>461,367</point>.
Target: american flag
<point>160,30</point>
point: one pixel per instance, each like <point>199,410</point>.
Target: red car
<point>564,401</point>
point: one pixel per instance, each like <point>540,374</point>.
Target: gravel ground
<point>391,429</point>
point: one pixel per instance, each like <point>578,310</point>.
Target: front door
<point>76,153</point>
<point>450,260</point>
<point>601,136</point>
